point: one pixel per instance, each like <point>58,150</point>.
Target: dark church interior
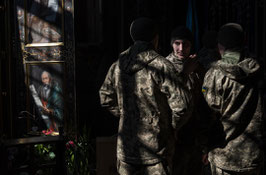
<point>87,37</point>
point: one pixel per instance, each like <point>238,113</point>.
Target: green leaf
<point>52,155</point>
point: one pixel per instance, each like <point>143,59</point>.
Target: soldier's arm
<point>179,98</point>
<point>107,92</point>
<point>211,90</point>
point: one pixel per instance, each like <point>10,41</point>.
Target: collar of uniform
<point>176,59</point>
<point>231,57</point>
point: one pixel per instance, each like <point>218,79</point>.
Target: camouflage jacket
<point>193,81</point>
<point>189,134</point>
<point>141,88</point>
<point>230,88</point>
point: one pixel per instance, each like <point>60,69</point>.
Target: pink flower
<point>70,143</point>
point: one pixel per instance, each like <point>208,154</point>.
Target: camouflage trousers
<point>159,168</point>
<point>218,171</point>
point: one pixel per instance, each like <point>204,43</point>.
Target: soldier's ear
<point>221,49</point>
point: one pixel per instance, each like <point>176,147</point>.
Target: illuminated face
<point>45,78</point>
<point>181,48</point>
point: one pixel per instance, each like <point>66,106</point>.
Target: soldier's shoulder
<point>161,60</point>
<point>170,56</point>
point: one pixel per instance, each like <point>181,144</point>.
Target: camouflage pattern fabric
<point>142,89</point>
<point>124,168</point>
<point>218,171</point>
<point>230,88</point>
<point>193,81</point>
<point>189,138</point>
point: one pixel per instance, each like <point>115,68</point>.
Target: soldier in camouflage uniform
<point>142,89</point>
<point>189,143</point>
<point>231,89</point>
